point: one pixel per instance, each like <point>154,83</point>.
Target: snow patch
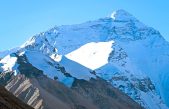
<point>92,55</point>
<point>56,57</point>
<point>76,70</point>
<point>8,62</point>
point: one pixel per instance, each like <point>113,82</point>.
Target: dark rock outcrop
<point>9,101</point>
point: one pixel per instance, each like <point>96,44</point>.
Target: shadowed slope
<point>9,101</point>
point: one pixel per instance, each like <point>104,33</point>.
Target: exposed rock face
<point>104,95</point>
<point>45,93</point>
<point>9,101</point>
<point>22,88</point>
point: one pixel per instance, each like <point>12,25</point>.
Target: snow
<point>56,57</point>
<point>107,71</point>
<point>113,15</point>
<point>8,62</point>
<point>35,57</point>
<point>152,102</point>
<point>48,66</point>
<point>151,59</point>
<point>92,55</point>
<point>122,15</point>
<point>76,69</point>
<point>7,52</point>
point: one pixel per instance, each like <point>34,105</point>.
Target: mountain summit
<point>89,60</point>
<point>122,15</point>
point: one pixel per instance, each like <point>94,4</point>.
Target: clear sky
<point>21,19</point>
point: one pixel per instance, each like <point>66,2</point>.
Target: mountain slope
<point>33,85</point>
<point>9,101</point>
<point>44,93</point>
<point>7,52</point>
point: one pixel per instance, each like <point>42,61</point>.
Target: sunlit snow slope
<point>92,55</point>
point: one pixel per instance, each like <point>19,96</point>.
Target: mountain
<point>9,101</point>
<point>97,60</point>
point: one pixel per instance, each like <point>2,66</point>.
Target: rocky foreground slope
<point>41,92</point>
<point>9,101</point>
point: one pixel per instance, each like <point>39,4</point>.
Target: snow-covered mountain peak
<point>122,15</point>
<point>60,38</point>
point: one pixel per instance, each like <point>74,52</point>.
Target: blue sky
<point>21,19</point>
